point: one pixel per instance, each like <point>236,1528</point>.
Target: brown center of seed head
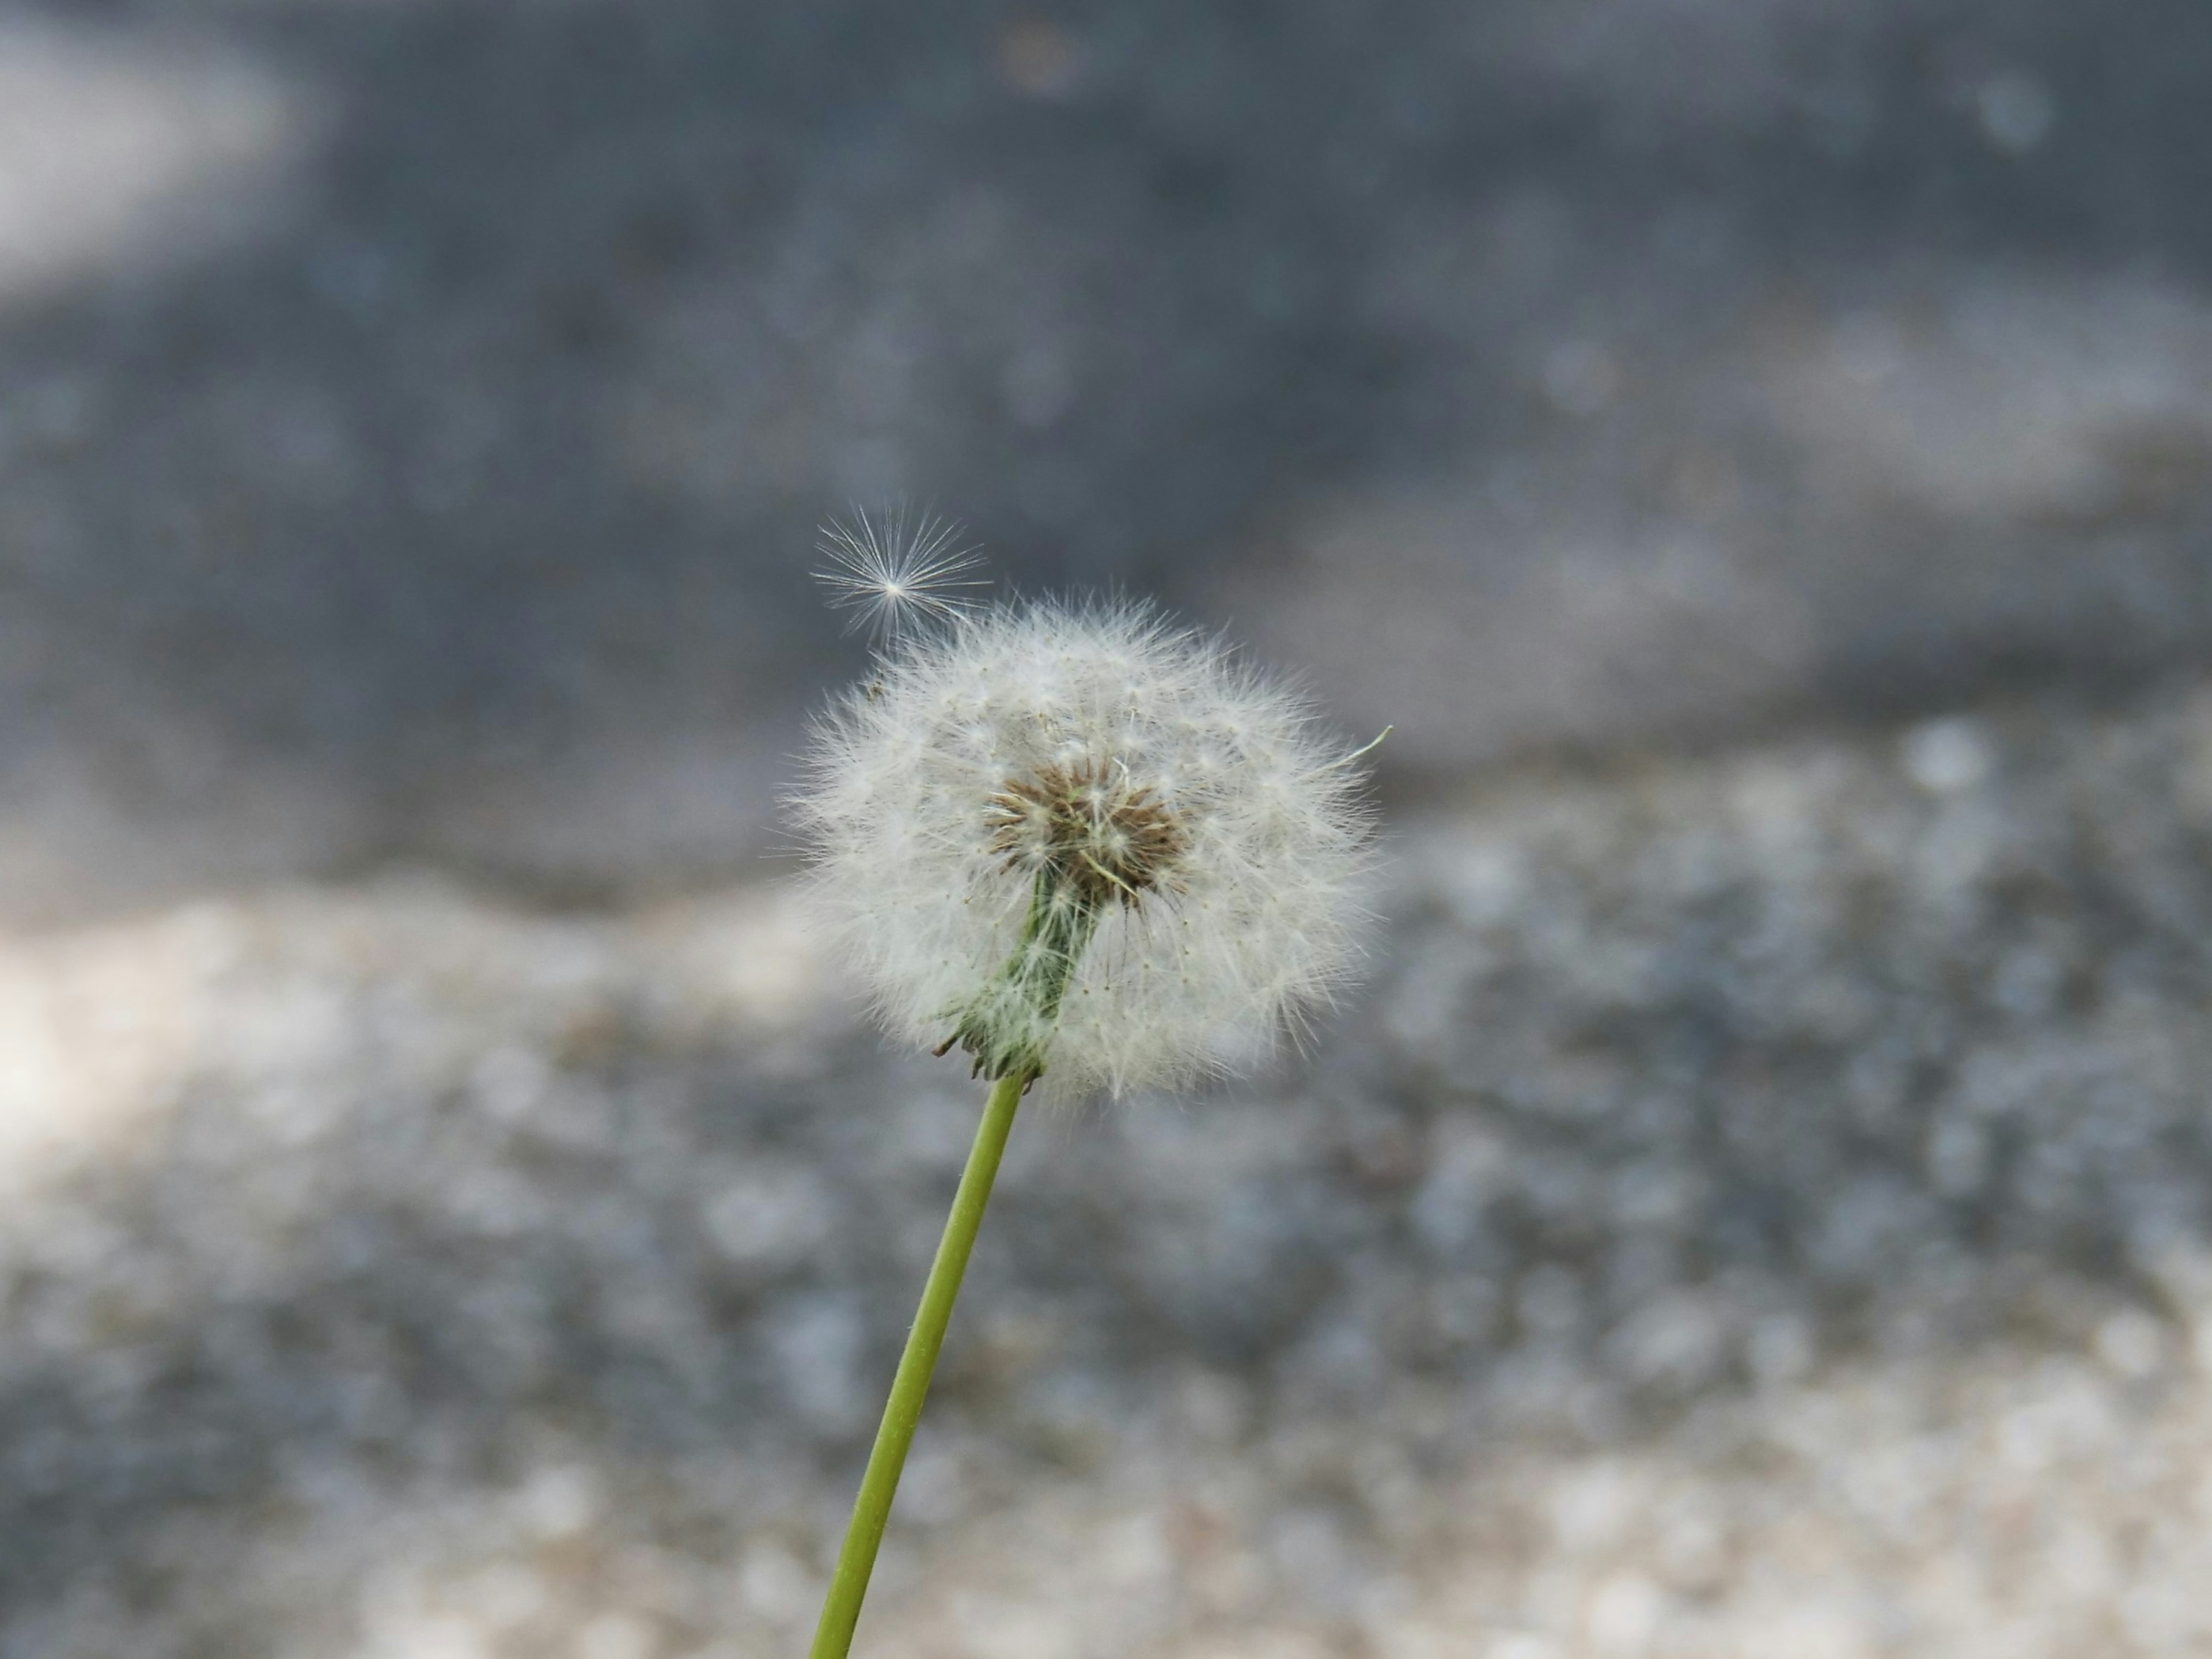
<point>1088,823</point>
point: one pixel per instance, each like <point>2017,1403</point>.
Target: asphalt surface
<point>414,417</point>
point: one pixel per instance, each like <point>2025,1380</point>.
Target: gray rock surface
<point>1759,455</point>
<point>414,417</point>
<point>1762,1205</point>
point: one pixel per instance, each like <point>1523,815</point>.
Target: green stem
<point>841,1611</point>
<point>1007,1024</point>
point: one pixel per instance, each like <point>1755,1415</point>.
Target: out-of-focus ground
<point>1762,1208</point>
<point>414,415</point>
<point>1760,456</point>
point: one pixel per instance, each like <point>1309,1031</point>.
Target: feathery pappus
<point>895,575</point>
<point>1078,839</point>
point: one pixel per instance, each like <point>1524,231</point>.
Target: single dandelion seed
<point>1083,844</point>
<point>894,576</point>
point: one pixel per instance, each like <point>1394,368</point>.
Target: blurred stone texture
<point>413,416</point>
<point>1764,1205</point>
<point>1759,455</point>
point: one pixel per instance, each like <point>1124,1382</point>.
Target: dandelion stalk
<point>1074,832</point>
<point>871,1510</point>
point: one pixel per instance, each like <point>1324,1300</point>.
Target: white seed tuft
<point>893,575</point>
<point>1081,837</point>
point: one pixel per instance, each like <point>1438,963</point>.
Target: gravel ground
<point>1762,1205</point>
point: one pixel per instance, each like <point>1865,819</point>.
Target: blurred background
<point>1758,455</point>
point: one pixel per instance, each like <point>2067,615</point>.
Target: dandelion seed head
<point>1087,798</point>
<point>894,575</point>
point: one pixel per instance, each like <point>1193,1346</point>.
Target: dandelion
<point>894,576</point>
<point>1083,844</point>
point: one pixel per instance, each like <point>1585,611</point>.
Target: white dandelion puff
<point>893,575</point>
<point>1078,839</point>
<point>1084,845</point>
